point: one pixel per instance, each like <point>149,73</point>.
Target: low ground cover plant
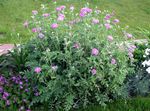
<point>71,62</point>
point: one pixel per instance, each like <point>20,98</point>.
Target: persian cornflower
<point>37,70</point>
<point>107,17</point>
<point>84,11</point>
<point>129,35</point>
<point>60,8</point>
<point>54,25</point>
<point>108,26</point>
<point>41,35</point>
<point>34,12</point>
<point>34,30</point>
<point>95,21</point>
<point>110,38</point>
<point>46,15</point>
<point>26,24</point>
<point>76,45</point>
<point>61,17</point>
<point>7,102</point>
<point>93,71</point>
<point>95,52</point>
<point>113,61</point>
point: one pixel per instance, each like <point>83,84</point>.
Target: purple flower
<point>6,94</point>
<point>20,82</point>
<point>28,110</point>
<point>61,17</point>
<point>26,24</point>
<point>41,35</point>
<point>95,21</point>
<point>116,21</point>
<point>34,12</point>
<point>54,25</point>
<point>36,94</point>
<point>76,45</point>
<point>93,71</point>
<point>37,70</point>
<point>95,52</point>
<point>110,38</point>
<point>108,26</point>
<point>113,61</point>
<point>46,15</point>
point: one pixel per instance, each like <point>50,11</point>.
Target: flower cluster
<point>146,63</point>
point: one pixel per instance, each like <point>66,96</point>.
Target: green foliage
<point>139,82</point>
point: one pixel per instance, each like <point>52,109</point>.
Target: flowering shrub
<point>75,59</point>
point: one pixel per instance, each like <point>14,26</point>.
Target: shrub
<point>76,60</point>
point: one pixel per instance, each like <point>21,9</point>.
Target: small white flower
<point>144,56</point>
<point>147,51</point>
<point>148,70</point>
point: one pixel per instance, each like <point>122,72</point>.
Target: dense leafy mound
<point>73,61</point>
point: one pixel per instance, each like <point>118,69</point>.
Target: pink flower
<point>61,17</point>
<point>34,12</point>
<point>95,21</point>
<point>37,70</point>
<point>108,26</point>
<point>54,25</point>
<point>116,21</point>
<point>110,38</point>
<point>28,110</point>
<point>46,15</point>
<point>36,30</point>
<point>84,11</point>
<point>129,35</point>
<point>26,24</point>
<point>95,52</point>
<point>113,61</point>
<point>60,8</point>
<point>107,17</point>
<point>93,71</point>
<point>76,45</point>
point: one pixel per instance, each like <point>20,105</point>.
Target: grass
<point>13,13</point>
<point>136,104</point>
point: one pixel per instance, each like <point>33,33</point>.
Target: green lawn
<point>135,13</point>
<point>136,104</point>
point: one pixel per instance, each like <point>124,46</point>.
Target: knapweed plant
<point>75,59</point>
